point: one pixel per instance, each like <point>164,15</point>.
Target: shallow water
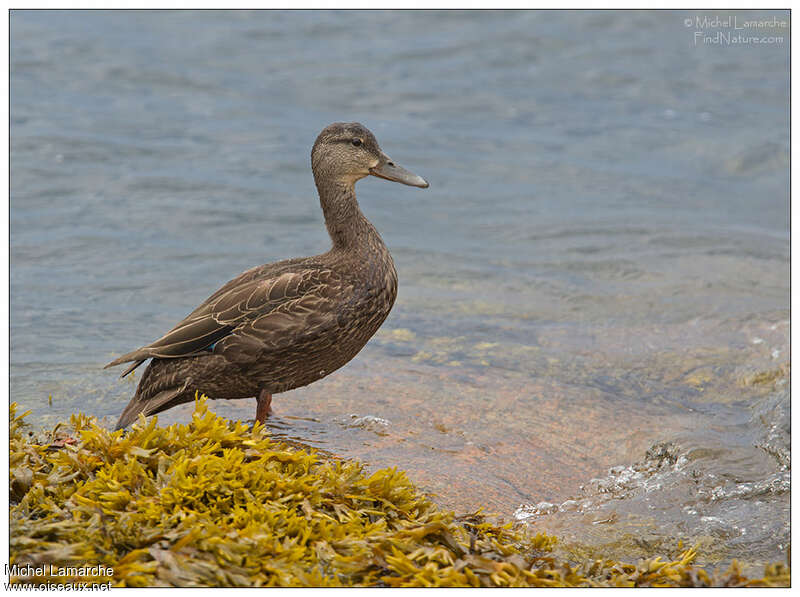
<point>591,332</point>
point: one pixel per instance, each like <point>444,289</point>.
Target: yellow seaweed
<point>218,503</point>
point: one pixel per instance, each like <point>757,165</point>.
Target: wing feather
<point>262,304</point>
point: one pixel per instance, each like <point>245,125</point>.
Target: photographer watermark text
<point>735,30</point>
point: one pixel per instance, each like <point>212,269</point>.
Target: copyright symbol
<point>687,22</point>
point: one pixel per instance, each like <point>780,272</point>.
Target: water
<point>591,332</point>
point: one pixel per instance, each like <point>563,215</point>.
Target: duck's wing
<point>245,302</point>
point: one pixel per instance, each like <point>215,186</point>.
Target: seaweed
<point>220,503</point>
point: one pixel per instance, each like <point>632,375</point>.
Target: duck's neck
<point>347,226</point>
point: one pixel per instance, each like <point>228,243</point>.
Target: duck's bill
<point>391,171</point>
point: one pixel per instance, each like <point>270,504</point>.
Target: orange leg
<point>263,409</point>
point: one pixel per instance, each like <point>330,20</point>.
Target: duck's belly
<point>309,361</point>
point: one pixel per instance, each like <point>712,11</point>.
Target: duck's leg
<point>263,409</point>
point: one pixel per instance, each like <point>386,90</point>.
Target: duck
<point>284,325</point>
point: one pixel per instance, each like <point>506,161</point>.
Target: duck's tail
<point>137,356</point>
<point>169,382</point>
<point>150,406</point>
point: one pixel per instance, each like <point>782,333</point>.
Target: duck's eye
<point>356,142</point>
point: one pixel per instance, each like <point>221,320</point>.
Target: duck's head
<point>347,151</point>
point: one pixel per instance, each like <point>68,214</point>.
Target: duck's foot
<point>263,408</point>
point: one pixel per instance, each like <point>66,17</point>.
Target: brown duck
<point>283,325</point>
